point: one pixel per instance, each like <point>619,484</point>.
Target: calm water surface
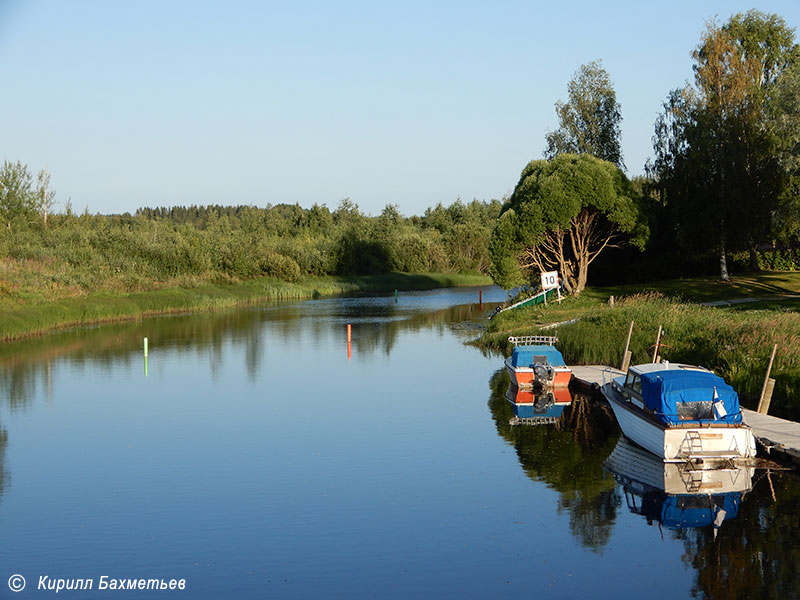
<point>253,458</point>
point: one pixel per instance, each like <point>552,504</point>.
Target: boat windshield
<point>633,382</point>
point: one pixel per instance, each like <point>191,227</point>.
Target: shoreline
<point>735,341</point>
<point>27,320</point>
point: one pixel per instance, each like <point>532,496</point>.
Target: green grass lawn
<point>706,289</point>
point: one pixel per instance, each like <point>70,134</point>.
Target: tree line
<point>725,178</point>
<point>199,243</point>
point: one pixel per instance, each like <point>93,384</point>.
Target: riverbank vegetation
<point>56,256</point>
<point>62,268</point>
<point>21,319</point>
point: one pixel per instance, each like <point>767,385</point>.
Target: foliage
<point>562,214</point>
<point>720,162</point>
<point>20,200</point>
<point>589,122</point>
<point>59,255</point>
<point>779,260</point>
<point>784,115</point>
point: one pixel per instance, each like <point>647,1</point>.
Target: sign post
<point>550,282</point>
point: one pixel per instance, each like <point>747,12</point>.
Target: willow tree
<point>562,214</point>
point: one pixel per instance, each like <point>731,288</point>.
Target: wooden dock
<point>778,437</point>
<point>591,377</point>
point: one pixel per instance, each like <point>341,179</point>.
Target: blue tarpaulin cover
<point>681,511</point>
<point>683,396</point>
<point>522,356</point>
<point>528,411</point>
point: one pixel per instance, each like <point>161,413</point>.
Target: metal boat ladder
<point>692,449</point>
<point>692,478</point>
<point>692,444</point>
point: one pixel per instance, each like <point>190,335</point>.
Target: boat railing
<point>530,340</point>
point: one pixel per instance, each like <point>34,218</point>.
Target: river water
<point>252,457</point>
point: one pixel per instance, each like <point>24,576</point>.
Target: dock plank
<point>779,434</point>
<point>595,374</point>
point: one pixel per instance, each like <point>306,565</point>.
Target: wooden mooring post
<point>626,354</point>
<point>657,347</point>
<point>769,385</point>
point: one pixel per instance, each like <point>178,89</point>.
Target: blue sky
<point>147,103</point>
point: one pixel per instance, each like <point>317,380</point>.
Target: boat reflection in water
<point>678,495</point>
<point>537,405</point>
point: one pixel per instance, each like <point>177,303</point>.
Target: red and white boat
<point>535,360</point>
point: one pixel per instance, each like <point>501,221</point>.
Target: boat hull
<point>638,468</point>
<point>679,443</point>
<point>526,377</point>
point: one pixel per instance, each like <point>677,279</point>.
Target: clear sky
<point>171,102</point>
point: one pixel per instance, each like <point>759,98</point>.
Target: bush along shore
<point>21,317</point>
<point>735,342</point>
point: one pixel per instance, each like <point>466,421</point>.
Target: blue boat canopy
<point>677,512</point>
<point>526,356</point>
<point>683,396</point>
<point>529,411</point>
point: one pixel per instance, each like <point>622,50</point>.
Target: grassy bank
<point>735,341</point>
<point>20,318</point>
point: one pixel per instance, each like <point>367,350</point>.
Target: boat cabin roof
<point>527,356</point>
<point>681,393</point>
<point>664,366</point>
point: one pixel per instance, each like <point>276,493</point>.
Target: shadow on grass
<point>704,289</point>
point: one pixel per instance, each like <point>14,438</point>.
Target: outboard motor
<point>543,372</point>
<point>542,401</point>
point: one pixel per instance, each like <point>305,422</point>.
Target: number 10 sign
<point>549,282</point>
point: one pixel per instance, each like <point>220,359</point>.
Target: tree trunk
<point>753,258</point>
<point>723,260</point>
<point>583,274</point>
<point>565,281</point>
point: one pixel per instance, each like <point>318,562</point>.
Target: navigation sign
<point>550,280</point>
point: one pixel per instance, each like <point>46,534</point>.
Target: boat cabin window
<point>540,358</point>
<point>634,382</point>
<point>694,411</point>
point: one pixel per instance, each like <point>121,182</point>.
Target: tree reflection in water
<point>752,555</point>
<point>568,457</point>
<point>26,364</point>
<point>756,554</point>
<point>4,477</point>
